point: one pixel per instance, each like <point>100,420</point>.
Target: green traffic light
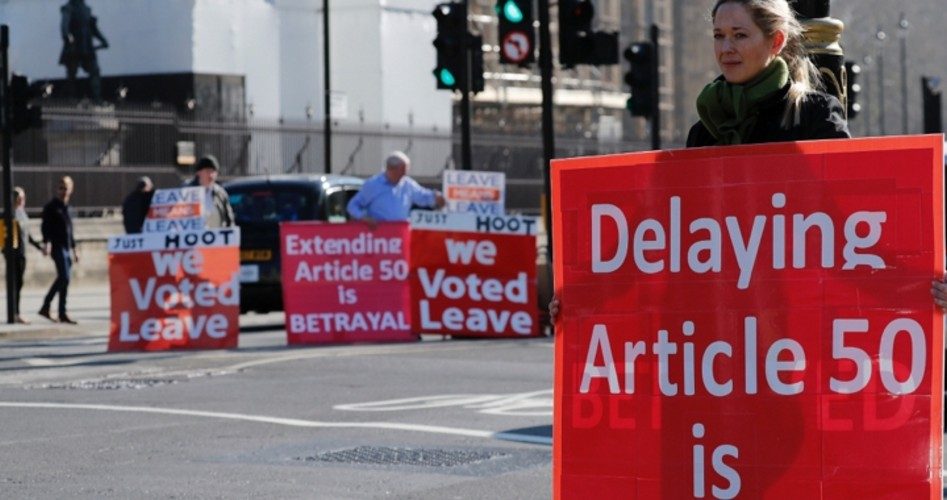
<point>512,11</point>
<point>446,77</point>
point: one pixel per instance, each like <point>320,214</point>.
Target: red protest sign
<point>750,322</point>
<point>474,275</point>
<point>175,290</point>
<point>345,282</point>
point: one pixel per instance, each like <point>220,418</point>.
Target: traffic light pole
<point>327,98</point>
<point>549,136</point>
<point>931,96</point>
<point>655,91</point>
<point>465,149</point>
<point>465,86</point>
<point>7,125</point>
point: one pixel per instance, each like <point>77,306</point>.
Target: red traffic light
<point>583,11</point>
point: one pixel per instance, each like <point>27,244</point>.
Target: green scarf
<point>729,111</point>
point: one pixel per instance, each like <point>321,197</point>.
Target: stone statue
<point>78,27</point>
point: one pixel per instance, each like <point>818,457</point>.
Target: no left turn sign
<point>516,47</point>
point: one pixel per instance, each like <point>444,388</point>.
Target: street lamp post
<point>327,87</point>
<point>903,35</point>
<point>867,108</point>
<point>881,36</point>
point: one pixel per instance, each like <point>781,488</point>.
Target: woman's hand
<point>554,307</point>
<point>938,291</point>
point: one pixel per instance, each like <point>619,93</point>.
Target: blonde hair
<point>18,194</point>
<point>776,15</point>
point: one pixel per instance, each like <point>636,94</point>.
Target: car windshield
<point>269,204</point>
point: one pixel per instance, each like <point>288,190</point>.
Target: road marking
<point>265,359</point>
<point>333,353</point>
<point>418,403</point>
<point>291,422</point>
<point>61,363</point>
<point>527,404</point>
<point>362,350</point>
<point>539,402</point>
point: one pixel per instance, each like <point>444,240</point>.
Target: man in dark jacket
<point>217,209</point>
<point>136,204</point>
<point>60,243</point>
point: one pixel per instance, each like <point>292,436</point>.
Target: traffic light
<point>930,88</point>
<point>23,114</point>
<point>811,9</point>
<point>641,78</point>
<point>517,38</point>
<point>853,88</point>
<point>476,63</point>
<point>450,44</point>
<point>575,31</point>
<point>578,44</point>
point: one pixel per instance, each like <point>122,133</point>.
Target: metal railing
<point>107,148</point>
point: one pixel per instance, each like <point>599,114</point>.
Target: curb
<point>47,331</point>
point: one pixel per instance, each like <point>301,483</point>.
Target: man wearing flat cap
<point>218,212</point>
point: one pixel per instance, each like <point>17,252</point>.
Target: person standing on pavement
<point>59,242</point>
<point>23,236</point>
<point>135,206</point>
<point>389,195</point>
<point>217,208</point>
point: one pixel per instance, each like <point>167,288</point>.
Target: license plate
<point>249,273</point>
<point>256,255</point>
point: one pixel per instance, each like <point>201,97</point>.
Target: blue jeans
<point>62,257</point>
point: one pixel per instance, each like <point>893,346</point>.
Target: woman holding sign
<point>768,89</point>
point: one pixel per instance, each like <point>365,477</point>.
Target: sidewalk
<point>92,270</point>
<point>88,305</point>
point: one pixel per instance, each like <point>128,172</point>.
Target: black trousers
<point>20,272</point>
<point>62,257</point>
<point>19,260</point>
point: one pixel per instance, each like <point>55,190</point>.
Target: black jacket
<point>821,117</point>
<point>57,224</point>
<point>135,210</point>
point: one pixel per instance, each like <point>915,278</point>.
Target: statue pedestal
<point>92,137</point>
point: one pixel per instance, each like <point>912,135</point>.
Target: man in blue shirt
<point>389,195</point>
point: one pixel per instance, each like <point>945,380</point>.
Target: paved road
<point>428,420</point>
<point>433,419</point>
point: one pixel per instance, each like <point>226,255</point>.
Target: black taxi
<point>260,203</point>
